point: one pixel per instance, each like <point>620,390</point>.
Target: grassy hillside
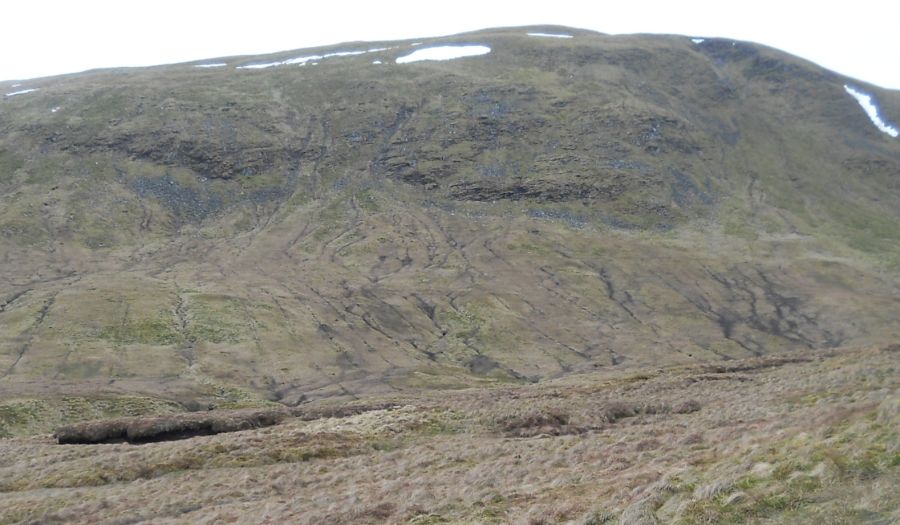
<point>240,236</point>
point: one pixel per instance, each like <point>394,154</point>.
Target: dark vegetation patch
<point>557,421</point>
<point>320,412</point>
<point>751,365</point>
<point>761,302</point>
<point>533,422</point>
<point>221,150</point>
<point>716,377</point>
<point>534,190</point>
<point>190,202</point>
<point>167,427</point>
<point>482,364</point>
<point>191,424</point>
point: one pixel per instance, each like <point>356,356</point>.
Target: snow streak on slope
<point>871,109</point>
<point>14,93</point>
<point>303,60</point>
<point>550,35</point>
<point>443,53</point>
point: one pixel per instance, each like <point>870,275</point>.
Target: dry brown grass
<point>801,441</point>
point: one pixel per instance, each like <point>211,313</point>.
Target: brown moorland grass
<point>770,440</point>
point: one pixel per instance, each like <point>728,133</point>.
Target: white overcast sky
<point>40,38</point>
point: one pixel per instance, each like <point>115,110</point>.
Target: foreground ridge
<point>785,438</point>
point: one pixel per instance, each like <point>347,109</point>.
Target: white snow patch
<point>217,64</point>
<point>343,54</point>
<point>377,62</point>
<point>698,40</point>
<point>443,53</point>
<point>376,49</point>
<point>261,66</point>
<point>550,35</point>
<point>416,44</point>
<point>870,107</point>
<point>54,110</point>
<point>313,59</point>
<point>22,92</point>
<point>302,60</point>
<point>16,85</point>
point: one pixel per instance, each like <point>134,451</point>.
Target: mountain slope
<point>235,234</point>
